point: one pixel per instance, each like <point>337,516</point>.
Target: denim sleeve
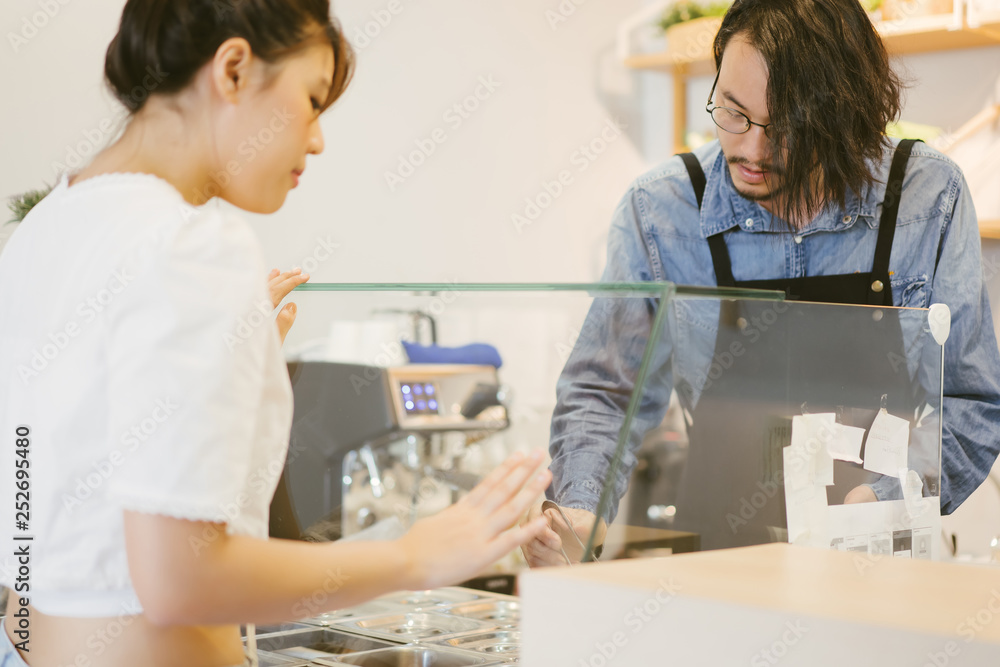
<point>971,408</point>
<point>971,357</point>
<point>593,391</point>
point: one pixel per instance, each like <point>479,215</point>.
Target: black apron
<point>731,492</point>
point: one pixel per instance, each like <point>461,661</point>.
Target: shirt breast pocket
<point>910,291</point>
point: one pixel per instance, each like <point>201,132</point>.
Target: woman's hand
<point>460,541</point>
<point>280,284</point>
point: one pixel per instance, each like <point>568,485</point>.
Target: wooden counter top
<point>916,595</point>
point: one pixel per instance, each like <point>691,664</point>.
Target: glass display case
<point>686,418</point>
<point>786,418</point>
<point>406,395</point>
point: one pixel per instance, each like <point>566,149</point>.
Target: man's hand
<point>280,284</point>
<point>860,494</point>
<point>547,548</point>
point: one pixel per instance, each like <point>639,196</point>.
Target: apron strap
<point>880,290</point>
<point>720,254</point>
<point>720,260</point>
<point>697,175</point>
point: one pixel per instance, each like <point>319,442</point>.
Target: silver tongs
<point>548,504</point>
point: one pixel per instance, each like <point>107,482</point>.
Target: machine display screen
<point>419,398</point>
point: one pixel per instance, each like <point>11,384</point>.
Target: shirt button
<point>749,222</point>
<point>846,220</point>
<point>798,239</point>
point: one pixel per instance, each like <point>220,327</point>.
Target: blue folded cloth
<point>479,354</point>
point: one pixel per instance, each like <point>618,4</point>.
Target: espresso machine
<point>380,446</point>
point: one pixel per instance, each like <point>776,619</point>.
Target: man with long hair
<point>803,193</point>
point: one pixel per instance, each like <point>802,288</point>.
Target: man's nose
<point>756,147</point>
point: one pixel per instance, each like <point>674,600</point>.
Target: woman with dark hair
<point>152,434</point>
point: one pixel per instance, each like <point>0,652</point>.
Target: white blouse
<point>138,347</point>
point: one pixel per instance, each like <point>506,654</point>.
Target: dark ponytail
<point>161,44</point>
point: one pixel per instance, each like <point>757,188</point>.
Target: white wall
<point>452,218</point>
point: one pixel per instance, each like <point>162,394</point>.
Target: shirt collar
<point>723,208</point>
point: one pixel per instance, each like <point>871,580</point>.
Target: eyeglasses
<point>732,120</point>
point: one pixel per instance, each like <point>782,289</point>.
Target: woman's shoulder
<point>141,225</point>
<point>142,196</point>
<point>120,205</point>
<point>149,216</point>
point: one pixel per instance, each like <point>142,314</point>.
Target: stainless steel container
<point>503,612</point>
<point>414,626</point>
<point>412,656</point>
<point>497,645</point>
<point>438,597</point>
<point>316,642</point>
<point>265,659</point>
<point>373,608</point>
<point>278,628</point>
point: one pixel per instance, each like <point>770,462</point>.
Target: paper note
<point>796,468</point>
<point>913,487</point>
<point>886,446</point>
<point>846,444</point>
<point>808,455</point>
<point>806,511</point>
<point>880,528</point>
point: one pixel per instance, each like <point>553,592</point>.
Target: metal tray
<point>317,643</point>
<point>414,626</point>
<point>497,645</point>
<point>419,600</point>
<point>504,613</point>
<point>373,608</point>
<point>412,656</point>
<point>276,629</point>
<point>265,659</point>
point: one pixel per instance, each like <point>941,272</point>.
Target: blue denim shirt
<point>659,234</point>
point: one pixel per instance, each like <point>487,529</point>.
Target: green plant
<point>685,10</point>
<point>20,204</point>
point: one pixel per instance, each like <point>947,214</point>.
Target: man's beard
<point>755,196</point>
<point>773,189</point>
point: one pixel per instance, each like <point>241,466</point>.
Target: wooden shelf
<point>934,33</point>
<point>927,34</point>
<point>665,62</point>
<point>919,35</point>
<point>989,229</point>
